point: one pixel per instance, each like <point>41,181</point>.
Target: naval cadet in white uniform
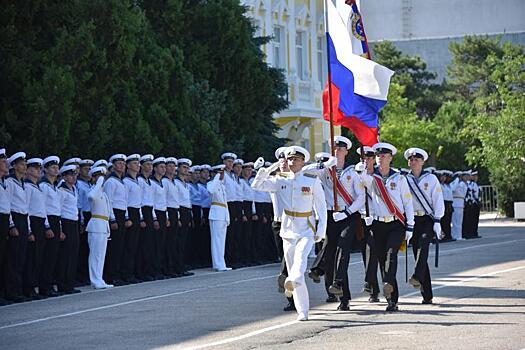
<point>302,194</point>
<point>98,228</point>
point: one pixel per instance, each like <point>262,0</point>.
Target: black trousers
<point>423,233</point>
<point>324,263</point>
<point>246,239</point>
<point>259,254</point>
<point>160,266</point>
<point>68,256</point>
<point>388,238</point>
<point>51,252</point>
<point>181,239</point>
<point>144,263</point>
<point>470,220</point>
<point>16,255</point>
<point>112,265</point>
<point>232,254</point>
<point>194,243</point>
<point>370,259</point>
<point>170,250</point>
<point>34,255</point>
<point>4,231</point>
<point>131,241</point>
<point>83,250</point>
<point>446,220</point>
<point>342,255</point>
<point>271,250</point>
<point>206,238</point>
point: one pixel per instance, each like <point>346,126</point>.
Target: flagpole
<point>330,106</point>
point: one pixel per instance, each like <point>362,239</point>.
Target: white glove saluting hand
<point>437,230</point>
<point>360,167</point>
<point>339,215</point>
<point>258,163</point>
<point>369,220</point>
<point>332,161</point>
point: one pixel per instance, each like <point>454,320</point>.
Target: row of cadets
<point>219,218</point>
<point>134,205</point>
<point>343,226</point>
<point>119,220</point>
<point>393,219</point>
<point>429,208</point>
<point>185,215</point>
<point>368,248</point>
<point>232,184</point>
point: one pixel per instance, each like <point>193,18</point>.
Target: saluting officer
<point>429,208</point>
<point>393,216</point>
<point>301,195</point>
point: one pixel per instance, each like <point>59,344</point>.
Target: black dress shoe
<point>315,276</point>
<point>4,302</point>
<point>187,273</point>
<point>343,306</point>
<point>392,307</point>
<point>17,298</point>
<point>367,288</point>
<point>53,293</point>
<point>332,299</point>
<point>336,289</point>
<point>426,301</point>
<point>289,307</point>
<point>373,299</point>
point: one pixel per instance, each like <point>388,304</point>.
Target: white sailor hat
<point>195,168</point>
<point>430,169</point>
<point>171,160</point>
<point>97,170</point>
<point>74,161</point>
<point>341,141</point>
<point>51,160</point>
<point>184,161</point>
<point>474,173</point>
<point>383,147</point>
<point>238,161</point>
<point>159,160</point>
<point>146,158</point>
<point>85,162</point>
<point>16,156</point>
<point>34,162</point>
<point>416,152</point>
<point>248,165</point>
<point>267,164</point>
<point>117,157</point>
<point>205,167</point>
<point>367,151</point>
<point>447,172</point>
<point>279,152</point>
<point>293,151</point>
<point>2,153</point>
<point>71,168</point>
<point>457,173</point>
<point>322,156</point>
<point>133,157</point>
<point>218,167</point>
<point>100,162</point>
<point>228,155</point>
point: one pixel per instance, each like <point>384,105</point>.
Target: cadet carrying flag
<point>359,87</point>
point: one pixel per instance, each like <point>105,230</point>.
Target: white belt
<point>389,218</point>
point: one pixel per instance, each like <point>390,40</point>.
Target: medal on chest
<point>306,190</point>
<point>392,186</point>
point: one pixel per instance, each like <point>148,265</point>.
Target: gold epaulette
<point>313,176</point>
<point>284,174</point>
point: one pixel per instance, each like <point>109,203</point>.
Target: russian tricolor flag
<point>359,86</point>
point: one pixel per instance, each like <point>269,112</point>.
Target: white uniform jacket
<point>459,191</point>
<point>100,208</point>
<point>302,196</point>
<point>219,206</point>
<point>397,187</point>
<point>426,189</point>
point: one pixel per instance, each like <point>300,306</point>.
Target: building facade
<point>299,48</point>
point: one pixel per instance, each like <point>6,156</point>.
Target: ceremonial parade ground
<point>479,303</point>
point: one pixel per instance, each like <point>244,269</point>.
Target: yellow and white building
<point>299,47</point>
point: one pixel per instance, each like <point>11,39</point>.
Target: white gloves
<point>332,161</point>
<point>408,235</point>
<point>258,163</point>
<point>318,239</point>
<point>339,215</point>
<point>437,229</point>
<point>360,167</point>
<point>369,220</point>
